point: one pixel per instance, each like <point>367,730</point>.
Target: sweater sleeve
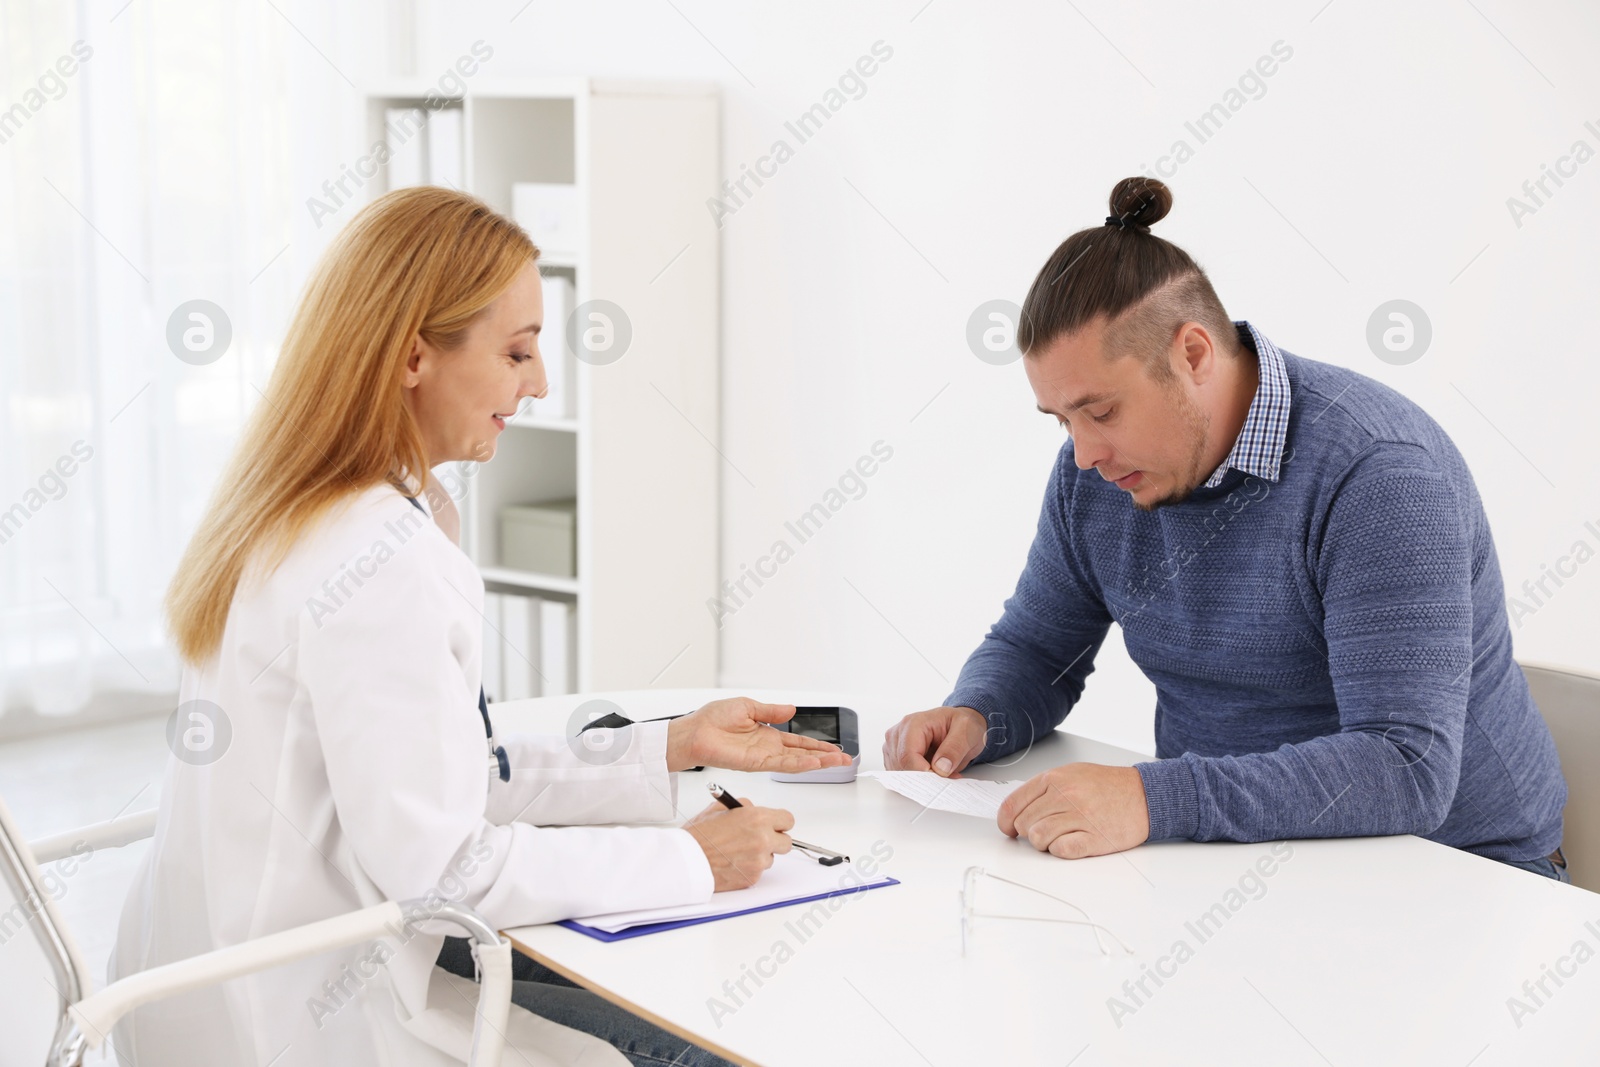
<point>1030,668</point>
<point>1393,570</point>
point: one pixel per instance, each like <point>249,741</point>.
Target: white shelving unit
<point>639,450</point>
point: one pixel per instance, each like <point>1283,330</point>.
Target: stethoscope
<point>499,762</point>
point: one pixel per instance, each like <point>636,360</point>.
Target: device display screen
<point>820,723</point>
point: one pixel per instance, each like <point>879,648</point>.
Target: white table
<point>1353,952</point>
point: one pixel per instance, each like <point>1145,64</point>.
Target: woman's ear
<point>413,374</point>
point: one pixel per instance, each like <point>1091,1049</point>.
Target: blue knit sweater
<point>1330,651</point>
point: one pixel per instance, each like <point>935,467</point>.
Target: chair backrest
<point>1570,703</point>
<point>41,970</point>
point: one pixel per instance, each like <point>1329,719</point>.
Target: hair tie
<point>1124,223</point>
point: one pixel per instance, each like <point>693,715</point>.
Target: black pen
<point>825,856</point>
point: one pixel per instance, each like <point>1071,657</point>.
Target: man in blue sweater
<point>1298,559</point>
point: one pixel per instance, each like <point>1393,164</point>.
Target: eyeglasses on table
<point>970,912</point>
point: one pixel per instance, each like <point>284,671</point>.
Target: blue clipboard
<point>656,928</point>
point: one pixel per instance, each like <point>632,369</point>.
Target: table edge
<point>624,1003</point>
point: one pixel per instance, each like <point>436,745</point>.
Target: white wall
<point>1376,165</point>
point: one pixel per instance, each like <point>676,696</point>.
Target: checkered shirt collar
<point>1259,447</point>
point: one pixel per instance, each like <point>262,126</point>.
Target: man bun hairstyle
<point>1144,286</point>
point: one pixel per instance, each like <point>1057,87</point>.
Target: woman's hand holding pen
<point>734,734</point>
<point>739,844</point>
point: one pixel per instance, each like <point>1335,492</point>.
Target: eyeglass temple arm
<point>1070,922</point>
<point>1060,900</point>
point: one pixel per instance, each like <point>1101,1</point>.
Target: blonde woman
<point>332,627</point>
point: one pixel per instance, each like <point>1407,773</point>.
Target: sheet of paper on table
<point>964,796</point>
<point>792,876</point>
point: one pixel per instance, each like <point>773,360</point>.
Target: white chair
<point>49,1017</point>
<point>1570,703</point>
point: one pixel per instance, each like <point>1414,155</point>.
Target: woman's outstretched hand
<point>734,734</point>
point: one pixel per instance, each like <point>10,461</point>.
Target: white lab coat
<point>357,772</point>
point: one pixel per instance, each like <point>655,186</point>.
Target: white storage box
<point>552,215</point>
<point>540,538</point>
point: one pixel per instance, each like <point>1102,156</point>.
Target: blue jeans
<point>550,996</point>
<point>1546,866</point>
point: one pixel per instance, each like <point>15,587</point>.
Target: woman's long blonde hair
<point>333,422</point>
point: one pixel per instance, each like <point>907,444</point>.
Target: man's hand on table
<point>1078,810</point>
<point>1072,811</point>
<point>942,740</point>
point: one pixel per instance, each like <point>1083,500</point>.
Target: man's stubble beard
<point>1194,424</point>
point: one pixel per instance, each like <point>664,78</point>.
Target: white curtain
<point>144,163</point>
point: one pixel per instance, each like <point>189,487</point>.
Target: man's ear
<point>414,358</point>
<point>1198,352</point>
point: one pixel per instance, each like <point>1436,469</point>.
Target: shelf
<point>412,89</point>
<point>542,422</point>
<point>529,582</point>
<point>614,447</point>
